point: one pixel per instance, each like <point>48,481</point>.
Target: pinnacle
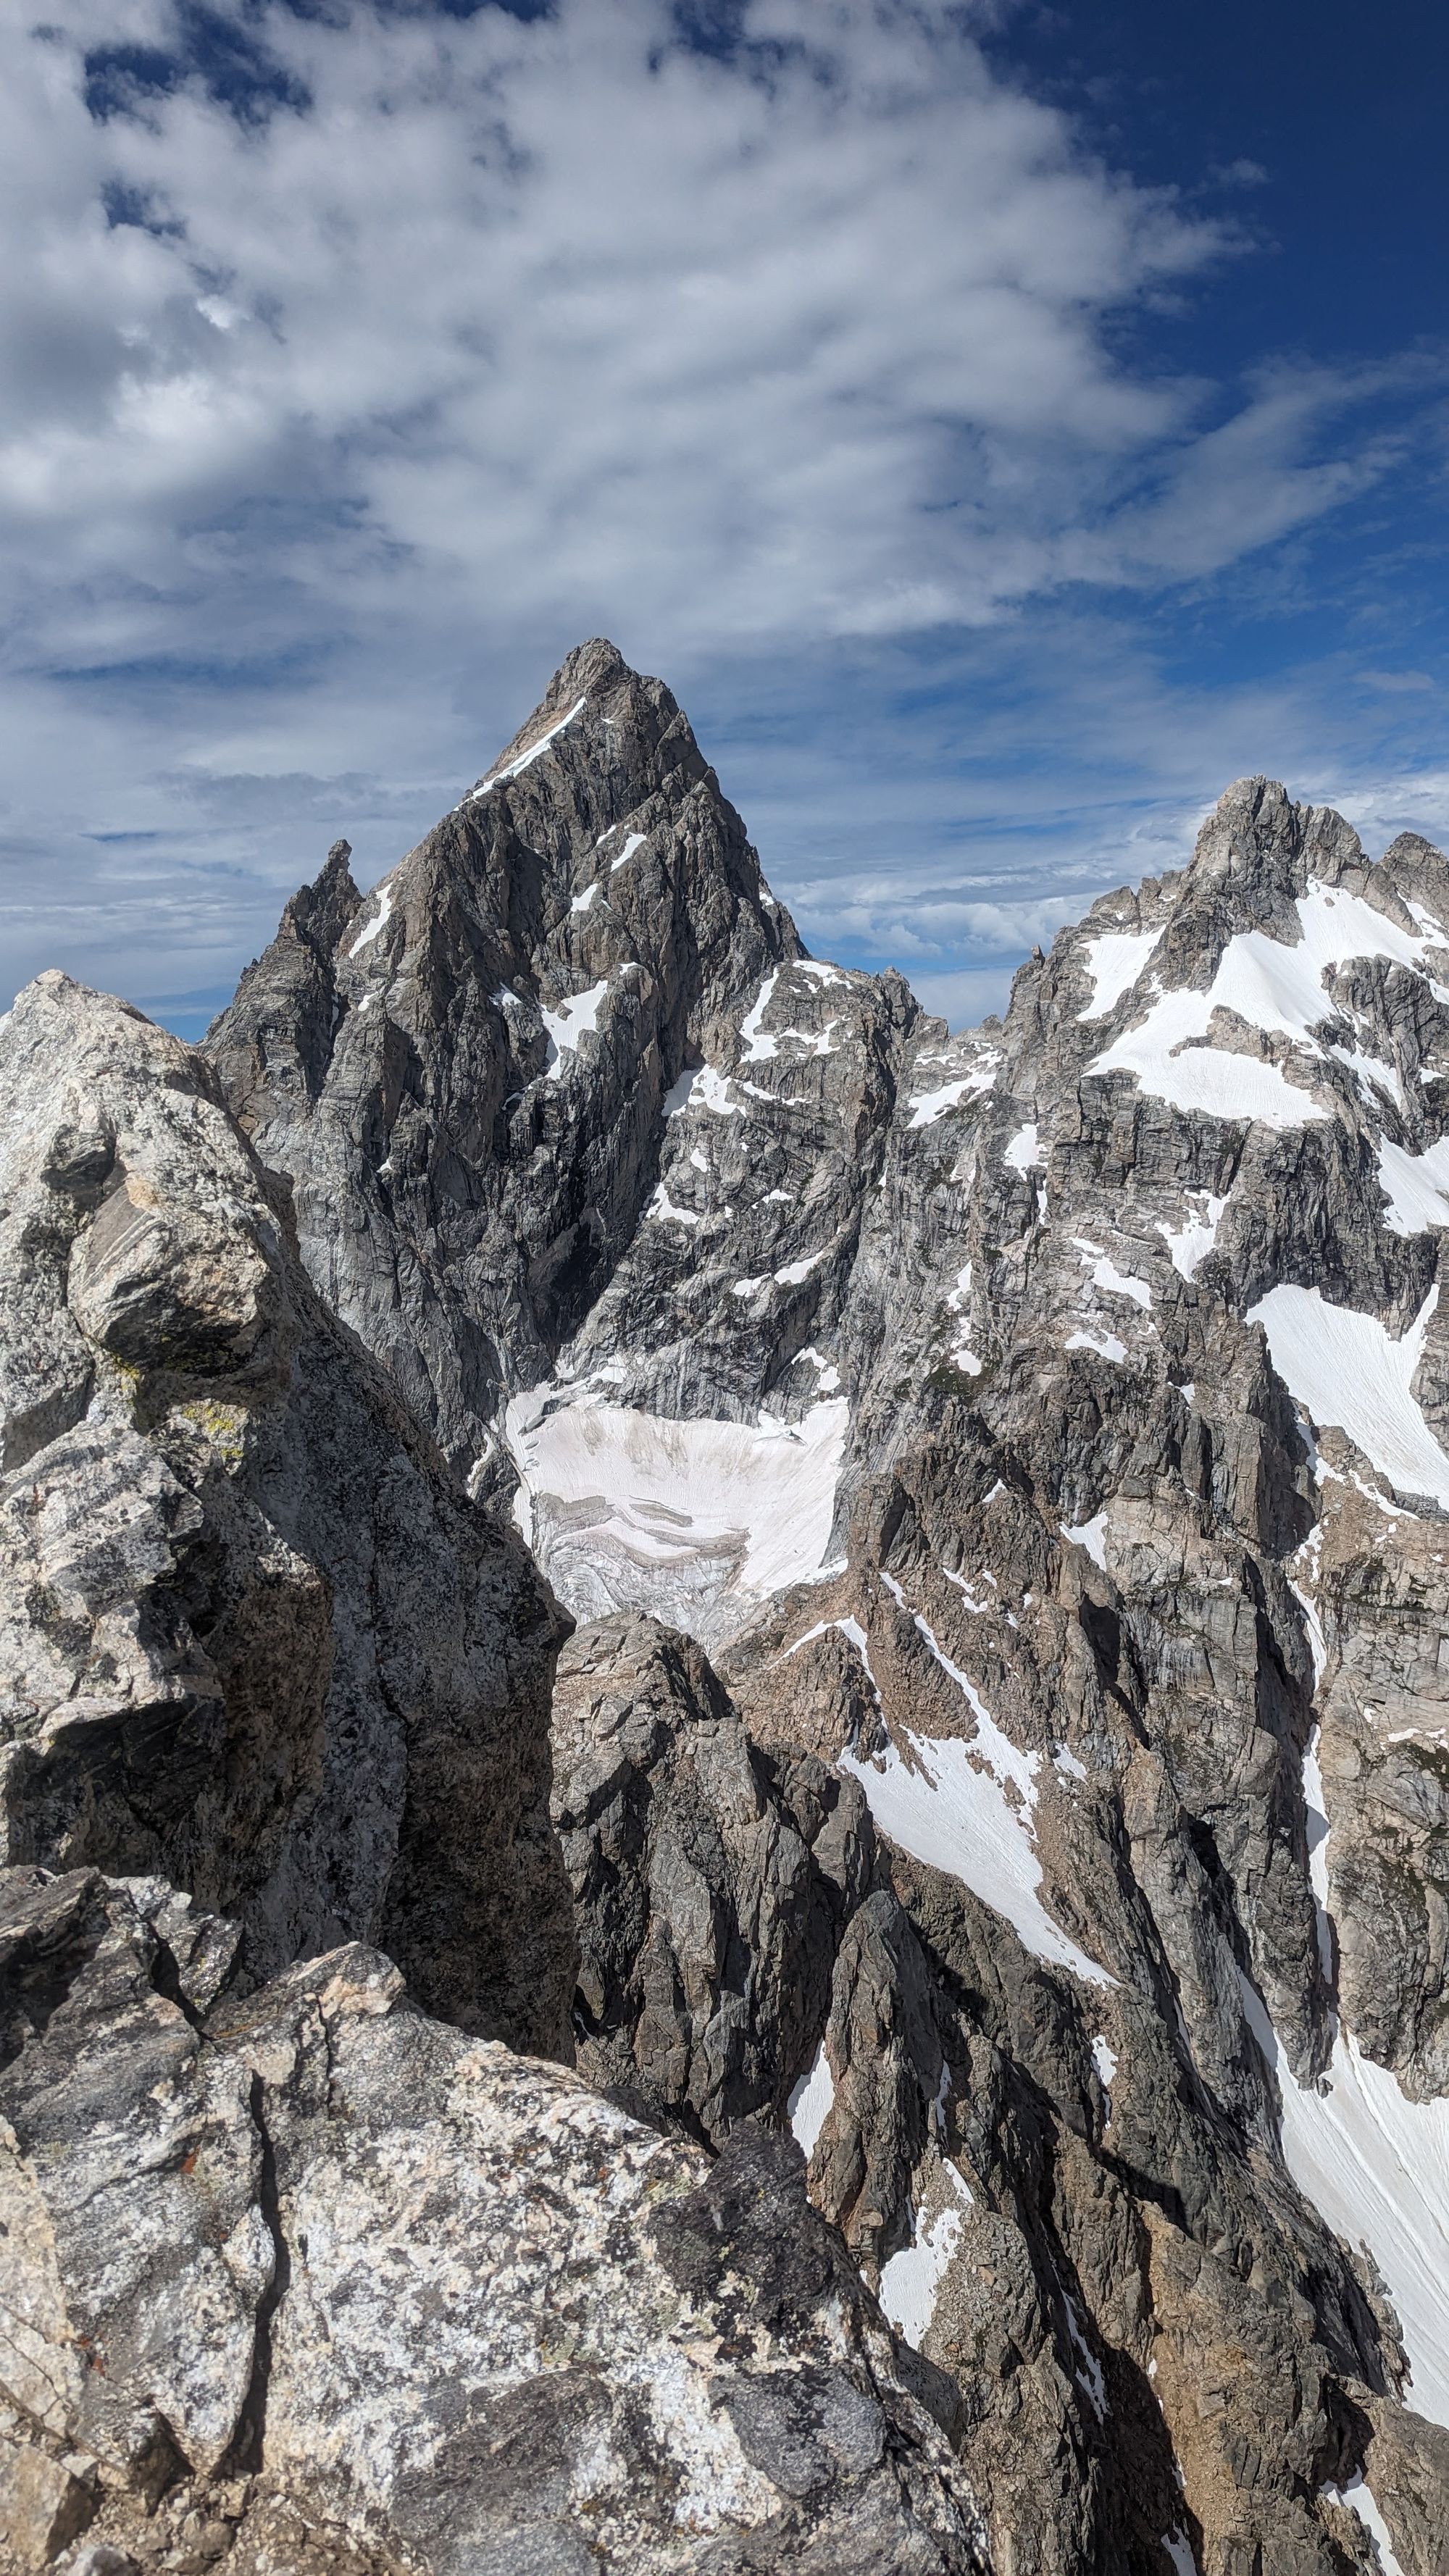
<point>593,665</point>
<point>319,912</point>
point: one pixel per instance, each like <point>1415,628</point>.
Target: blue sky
<point>1001,425</point>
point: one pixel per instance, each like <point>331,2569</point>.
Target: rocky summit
<point>725,1731</point>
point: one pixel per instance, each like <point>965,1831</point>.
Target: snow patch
<point>814,1041</point>
<point>585,901</point>
<point>1114,963</point>
<point>928,1106</point>
<point>1023,1154</point>
<point>811,2100</point>
<point>911,2279</point>
<point>978,1609</point>
<point>1416,1187</point>
<point>1106,1345</point>
<point>635,842</point>
<point>994,1747</point>
<point>957,1299</point>
<point>1104,2058</point>
<point>1376,2167</point>
<point>1092,1535</point>
<point>829,1374</point>
<point>663,1209</point>
<point>1343,1368</point>
<point>796,1271</point>
<point>760,1044</point>
<point>565,1025</point>
<point>1359,2498</point>
<point>1316,1816</point>
<point>695,1521</point>
<point>758,1048</point>
<point>1107,1275</point>
<point>366,936</point>
<point>1190,1243</point>
<point>535,752</point>
<point>1089,2369</point>
<point>1273,988</point>
<point>954,1817</point>
<point>790,1276</point>
<point>1370,1073</point>
<point>1316,1646</point>
<point>1168,1055</point>
<point>700,1086</point>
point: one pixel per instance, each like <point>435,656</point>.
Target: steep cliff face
<point>251,1639</point>
<point>294,2274</point>
<point>1001,1481</point>
<point>1042,1430</point>
<point>464,1076</point>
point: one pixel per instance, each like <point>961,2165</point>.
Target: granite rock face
<point>1041,1430</point>
<point>1002,1482</point>
<point>712,1886</point>
<point>252,1640</point>
<point>464,1078</point>
<point>305,2281</point>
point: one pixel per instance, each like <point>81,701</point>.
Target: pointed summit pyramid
<point>463,1074</point>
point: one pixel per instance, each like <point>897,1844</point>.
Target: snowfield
<point>1343,1368</point>
<point>1273,987</point>
<point>1376,2167</point>
<point>696,1522</point>
<point>1115,963</point>
<point>946,1812</point>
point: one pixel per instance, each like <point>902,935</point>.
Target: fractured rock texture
<point>1001,1481</point>
<point>251,1640</point>
<point>307,2281</point>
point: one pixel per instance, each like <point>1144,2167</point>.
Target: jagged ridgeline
<point>727,1726</point>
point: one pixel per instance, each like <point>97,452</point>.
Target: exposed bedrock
<point>252,1640</point>
<point>1153,2338</point>
<point>1001,1481</point>
<point>462,1197</point>
<point>307,2284</point>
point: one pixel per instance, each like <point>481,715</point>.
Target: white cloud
<point>809,339</point>
<point>517,331</point>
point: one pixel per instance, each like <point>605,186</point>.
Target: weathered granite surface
<point>1000,1482</point>
<point>252,1640</point>
<point>305,2281</point>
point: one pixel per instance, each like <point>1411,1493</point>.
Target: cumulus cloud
<point>351,355</point>
<point>803,337</point>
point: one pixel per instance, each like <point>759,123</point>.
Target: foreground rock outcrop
<point>305,2282</point>
<point>252,1640</point>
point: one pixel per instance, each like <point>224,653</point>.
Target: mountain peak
<point>511,1006</point>
<point>1047,1431</point>
<point>319,913</point>
<point>594,665</point>
<point>595,682</point>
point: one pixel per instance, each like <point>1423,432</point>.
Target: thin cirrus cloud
<point>355,364</point>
